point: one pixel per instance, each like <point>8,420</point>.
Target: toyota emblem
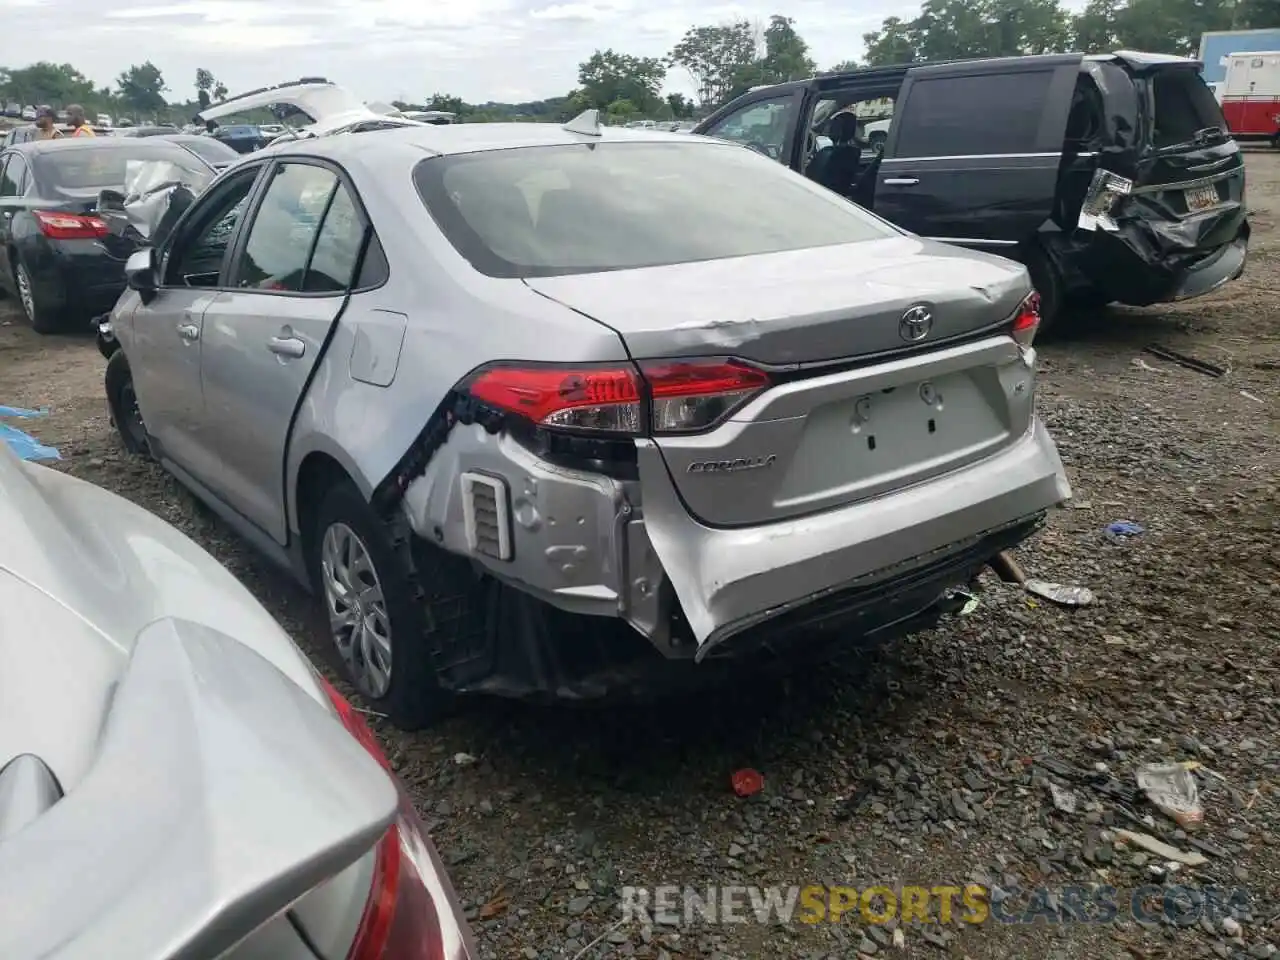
<point>915,324</point>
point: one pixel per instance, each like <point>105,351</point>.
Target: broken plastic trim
<point>1106,190</point>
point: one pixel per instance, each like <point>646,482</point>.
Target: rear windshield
<point>1184,106</point>
<point>548,211</point>
<point>210,149</point>
<point>82,170</point>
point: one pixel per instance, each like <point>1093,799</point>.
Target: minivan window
<point>1184,105</point>
<point>939,118</point>
<point>553,210</point>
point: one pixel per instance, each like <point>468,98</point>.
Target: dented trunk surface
<point>1160,187</point>
<point>798,307</point>
<point>817,440</point>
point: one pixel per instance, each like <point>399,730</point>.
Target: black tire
<point>122,402</point>
<point>1048,283</point>
<point>431,608</point>
<point>42,318</point>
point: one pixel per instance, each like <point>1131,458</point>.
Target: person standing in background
<point>79,127</point>
<point>45,119</point>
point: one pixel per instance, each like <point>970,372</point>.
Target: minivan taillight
<point>400,919</point>
<point>69,226</point>
<point>662,396</point>
<point>1027,320</point>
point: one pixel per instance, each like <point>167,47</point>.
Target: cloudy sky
<point>509,50</point>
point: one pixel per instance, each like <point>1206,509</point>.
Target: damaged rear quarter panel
<point>458,320</point>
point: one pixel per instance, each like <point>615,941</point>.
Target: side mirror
<point>141,275</point>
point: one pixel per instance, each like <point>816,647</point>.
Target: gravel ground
<point>926,763</point>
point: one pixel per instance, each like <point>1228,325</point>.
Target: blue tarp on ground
<point>23,444</point>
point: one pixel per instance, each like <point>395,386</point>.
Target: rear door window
<point>980,114</point>
<point>1184,106</point>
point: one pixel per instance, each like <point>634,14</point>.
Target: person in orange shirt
<point>79,126</point>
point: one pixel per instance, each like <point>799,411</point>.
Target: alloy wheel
<point>25,293</point>
<point>357,610</point>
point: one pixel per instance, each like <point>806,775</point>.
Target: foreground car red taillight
<point>1027,320</point>
<point>662,396</point>
<point>69,226</point>
<point>411,913</point>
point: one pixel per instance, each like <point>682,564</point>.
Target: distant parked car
<point>18,135</point>
<point>241,137</point>
<point>13,110</point>
<point>507,396</point>
<point>104,119</point>
<point>62,265</point>
<point>29,113</point>
<point>181,782</point>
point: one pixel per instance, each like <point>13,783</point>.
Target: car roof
<point>456,138</point>
<point>38,147</point>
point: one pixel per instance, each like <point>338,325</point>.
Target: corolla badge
<point>732,466</point>
<point>915,324</point>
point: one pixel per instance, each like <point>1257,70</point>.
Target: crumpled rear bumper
<point>731,579</point>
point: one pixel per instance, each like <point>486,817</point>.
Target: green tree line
<point>726,59</point>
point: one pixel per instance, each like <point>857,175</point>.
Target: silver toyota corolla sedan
<point>175,779</point>
<point>496,389</point>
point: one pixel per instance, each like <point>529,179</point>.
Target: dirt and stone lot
<point>915,765</point>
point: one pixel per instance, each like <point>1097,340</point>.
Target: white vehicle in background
<point>104,120</point>
<point>323,109</point>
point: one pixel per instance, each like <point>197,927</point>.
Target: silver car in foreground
<point>497,389</point>
<point>175,779</point>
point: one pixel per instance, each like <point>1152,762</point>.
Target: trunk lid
<point>893,413</point>
<point>797,307</point>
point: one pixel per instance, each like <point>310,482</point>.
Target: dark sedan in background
<point>59,259</point>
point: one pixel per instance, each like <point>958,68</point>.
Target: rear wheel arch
<point>318,473</point>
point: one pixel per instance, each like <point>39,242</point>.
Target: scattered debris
<point>1161,849</point>
<point>899,938</point>
<point>22,413</point>
<point>1060,594</point>
<point>1143,365</point>
<point>496,906</point>
<point>1064,799</point>
<point>1172,790</point>
<point>1122,529</point>
<point>1249,396</point>
<point>463,759</point>
<point>1006,568</point>
<point>747,782</point>
<point>26,446</point>
<point>970,605</point>
<point>1191,363</point>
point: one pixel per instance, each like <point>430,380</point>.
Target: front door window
<point>761,125</point>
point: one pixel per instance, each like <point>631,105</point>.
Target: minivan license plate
<point>1202,198</point>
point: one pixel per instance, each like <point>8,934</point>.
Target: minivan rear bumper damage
<point>592,544</point>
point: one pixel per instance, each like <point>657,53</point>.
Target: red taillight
<point>400,921</point>
<point>694,394</point>
<point>69,226</point>
<point>1027,320</point>
<point>678,395</point>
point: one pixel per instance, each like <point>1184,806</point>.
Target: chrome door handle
<point>287,346</point>
<point>901,182</point>
<point>188,331</point>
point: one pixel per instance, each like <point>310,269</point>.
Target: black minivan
<point>1111,176</point>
